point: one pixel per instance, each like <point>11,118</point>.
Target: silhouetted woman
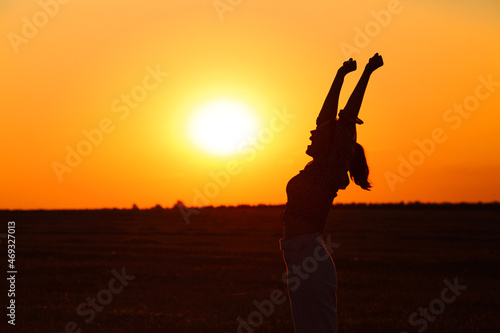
<point>311,274</point>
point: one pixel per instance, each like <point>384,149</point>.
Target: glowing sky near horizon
<point>98,97</point>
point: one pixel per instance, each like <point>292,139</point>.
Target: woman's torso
<point>311,192</point>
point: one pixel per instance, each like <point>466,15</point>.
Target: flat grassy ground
<point>202,276</point>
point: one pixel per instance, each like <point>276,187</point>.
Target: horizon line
<point>180,204</point>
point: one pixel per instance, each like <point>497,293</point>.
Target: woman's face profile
<point>320,141</point>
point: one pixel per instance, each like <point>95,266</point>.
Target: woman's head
<point>321,140</point>
<point>321,144</point>
<point>359,168</point>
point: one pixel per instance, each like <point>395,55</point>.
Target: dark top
<point>311,192</point>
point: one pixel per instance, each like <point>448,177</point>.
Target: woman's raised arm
<point>351,110</point>
<point>330,106</point>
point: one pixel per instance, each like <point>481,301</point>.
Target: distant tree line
<point>400,205</point>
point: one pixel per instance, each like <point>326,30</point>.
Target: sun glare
<point>223,126</point>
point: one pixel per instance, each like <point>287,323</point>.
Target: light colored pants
<point>312,284</point>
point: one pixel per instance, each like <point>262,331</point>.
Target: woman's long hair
<point>359,170</point>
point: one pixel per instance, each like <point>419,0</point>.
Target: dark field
<point>202,276</point>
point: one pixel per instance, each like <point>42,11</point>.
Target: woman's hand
<point>375,62</point>
<point>348,66</point>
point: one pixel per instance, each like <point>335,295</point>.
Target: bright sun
<point>222,126</point>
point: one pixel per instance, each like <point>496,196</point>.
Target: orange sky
<point>66,64</point>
